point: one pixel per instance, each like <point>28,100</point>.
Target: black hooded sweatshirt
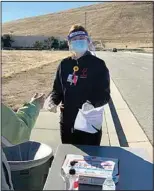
<point>93,84</point>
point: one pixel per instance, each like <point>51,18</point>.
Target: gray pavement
<point>132,74</point>
<point>47,130</point>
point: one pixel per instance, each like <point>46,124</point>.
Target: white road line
<point>144,54</point>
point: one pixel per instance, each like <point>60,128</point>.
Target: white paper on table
<point>85,120</point>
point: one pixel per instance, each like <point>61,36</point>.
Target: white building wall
<point>28,41</point>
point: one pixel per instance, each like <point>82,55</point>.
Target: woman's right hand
<point>52,108</point>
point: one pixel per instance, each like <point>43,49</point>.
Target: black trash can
<point>29,163</point>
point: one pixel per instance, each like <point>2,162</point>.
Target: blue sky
<point>18,10</point>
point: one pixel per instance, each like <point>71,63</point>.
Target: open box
<point>92,170</point>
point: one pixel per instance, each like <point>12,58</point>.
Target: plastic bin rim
<point>33,160</point>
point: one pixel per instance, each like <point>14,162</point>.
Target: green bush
<point>7,40</point>
<point>63,45</point>
<point>38,45</point>
<point>51,43</point>
<point>55,44</point>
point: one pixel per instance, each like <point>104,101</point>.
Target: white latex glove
<point>87,106</point>
<point>52,108</point>
<point>49,105</point>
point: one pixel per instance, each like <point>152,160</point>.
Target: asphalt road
<point>133,76</point>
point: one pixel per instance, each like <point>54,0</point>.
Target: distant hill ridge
<point>110,21</point>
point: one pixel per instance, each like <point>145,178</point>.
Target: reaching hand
<point>40,98</point>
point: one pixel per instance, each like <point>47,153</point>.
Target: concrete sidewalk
<point>47,130</point>
<point>120,127</point>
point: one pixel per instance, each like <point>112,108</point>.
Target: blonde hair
<point>76,28</point>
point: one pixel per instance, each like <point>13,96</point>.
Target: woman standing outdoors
<point>79,78</point>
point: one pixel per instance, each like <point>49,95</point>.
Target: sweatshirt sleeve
<point>57,93</point>
<point>100,94</point>
<point>16,127</point>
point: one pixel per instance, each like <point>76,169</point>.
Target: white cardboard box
<point>92,170</point>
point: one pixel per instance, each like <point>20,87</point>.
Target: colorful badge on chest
<point>73,78</point>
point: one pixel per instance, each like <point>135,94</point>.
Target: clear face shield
<point>91,47</point>
<point>80,42</point>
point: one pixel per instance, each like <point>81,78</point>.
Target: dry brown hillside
<point>110,21</point>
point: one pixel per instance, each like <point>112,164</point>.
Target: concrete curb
<point>111,130</point>
<point>134,134</point>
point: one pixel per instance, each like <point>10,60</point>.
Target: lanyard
<point>74,77</point>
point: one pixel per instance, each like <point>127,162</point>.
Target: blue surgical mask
<point>79,46</point>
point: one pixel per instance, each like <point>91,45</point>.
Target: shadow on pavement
<point>121,135</point>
